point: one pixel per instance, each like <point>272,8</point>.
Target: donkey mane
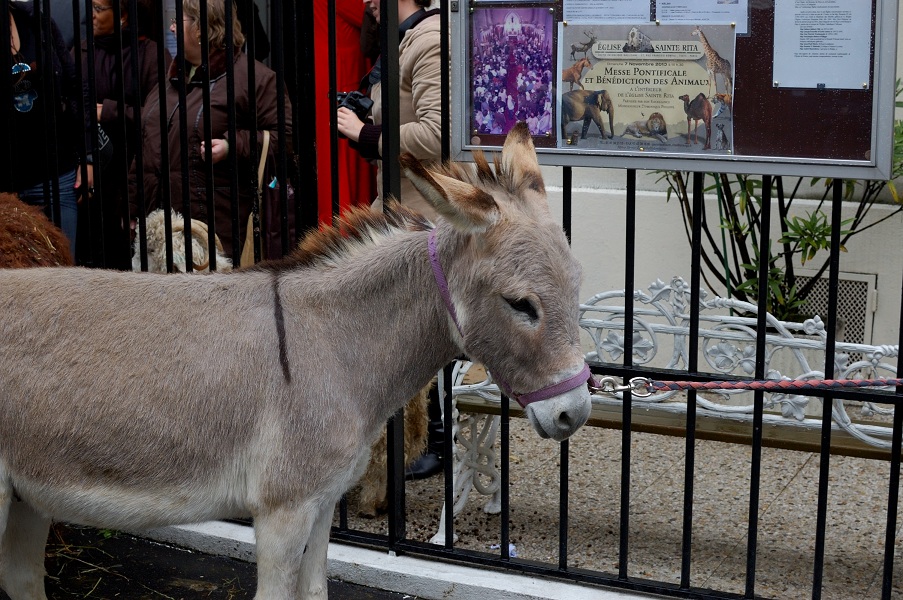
<point>359,226</point>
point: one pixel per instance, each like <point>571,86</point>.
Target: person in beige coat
<point>419,96</point>
<point>420,114</point>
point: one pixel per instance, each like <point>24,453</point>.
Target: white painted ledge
<point>430,580</point>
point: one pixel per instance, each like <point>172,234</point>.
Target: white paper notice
<point>704,12</point>
<point>606,11</point>
<point>822,43</point>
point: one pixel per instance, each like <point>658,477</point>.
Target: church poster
<point>646,88</point>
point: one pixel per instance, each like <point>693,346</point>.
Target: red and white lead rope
<point>643,387</point>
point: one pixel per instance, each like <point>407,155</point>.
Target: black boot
<point>430,462</point>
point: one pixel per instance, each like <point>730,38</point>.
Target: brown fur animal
<point>372,500</point>
<point>28,238</point>
<point>587,106</point>
<point>654,126</point>
<point>574,73</point>
<point>700,109</point>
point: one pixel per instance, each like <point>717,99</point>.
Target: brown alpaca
<point>700,109</point>
<point>574,74</point>
<point>28,238</point>
<point>372,501</point>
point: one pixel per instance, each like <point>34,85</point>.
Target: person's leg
<point>68,204</point>
<point>431,461</point>
<point>69,208</point>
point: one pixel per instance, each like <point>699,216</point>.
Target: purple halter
<point>584,377</point>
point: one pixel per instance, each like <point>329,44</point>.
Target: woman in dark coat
<point>263,95</point>
<point>116,111</point>
<point>42,104</point>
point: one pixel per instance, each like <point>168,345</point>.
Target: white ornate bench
<point>727,337</point>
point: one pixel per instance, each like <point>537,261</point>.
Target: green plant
<point>730,244</point>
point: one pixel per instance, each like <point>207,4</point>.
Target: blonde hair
<point>216,21</point>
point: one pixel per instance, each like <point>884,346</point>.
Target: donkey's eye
<point>523,306</point>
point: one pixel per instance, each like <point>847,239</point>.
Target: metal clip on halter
<point>638,386</point>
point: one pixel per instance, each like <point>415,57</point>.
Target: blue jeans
<point>68,204</point>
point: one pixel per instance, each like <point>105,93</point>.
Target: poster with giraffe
<point>637,88</point>
<point>742,86</point>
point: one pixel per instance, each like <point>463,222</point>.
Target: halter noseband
<point>584,377</point>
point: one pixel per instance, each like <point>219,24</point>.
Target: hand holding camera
<point>350,122</point>
<point>356,102</point>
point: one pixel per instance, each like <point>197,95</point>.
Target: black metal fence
<point>292,58</point>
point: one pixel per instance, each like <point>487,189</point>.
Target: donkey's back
<point>111,397</point>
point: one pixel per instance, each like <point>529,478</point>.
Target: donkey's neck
<point>382,301</point>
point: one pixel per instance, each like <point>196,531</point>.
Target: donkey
<point>134,400</point>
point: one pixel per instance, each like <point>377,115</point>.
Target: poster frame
<point>877,165</point>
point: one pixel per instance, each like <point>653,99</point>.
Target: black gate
<point>105,240</point>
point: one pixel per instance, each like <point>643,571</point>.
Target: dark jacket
<point>264,96</point>
<point>23,152</point>
<point>113,55</point>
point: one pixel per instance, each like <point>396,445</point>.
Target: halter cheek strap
<point>584,377</point>
<point>441,281</point>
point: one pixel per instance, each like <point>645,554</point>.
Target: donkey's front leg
<point>312,583</point>
<point>22,553</point>
<point>281,535</point>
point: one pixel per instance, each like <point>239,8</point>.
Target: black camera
<point>356,102</point>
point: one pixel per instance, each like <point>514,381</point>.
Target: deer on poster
<point>583,46</point>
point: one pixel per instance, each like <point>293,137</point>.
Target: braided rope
<point>774,384</point>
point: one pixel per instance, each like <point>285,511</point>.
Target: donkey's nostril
<point>565,421</point>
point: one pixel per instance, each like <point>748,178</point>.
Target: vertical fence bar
<point>277,61</point>
<point>445,53</point>
<point>893,492</point>
<point>692,367</point>
<point>626,422</point>
<point>305,110</point>
<point>232,157</point>
<point>137,122</point>
<point>505,516</point>
<point>51,126</point>
<point>183,141</point>
<point>758,397</point>
<point>567,179</point>
<point>93,256</point>
<point>448,449</point>
<point>388,29</point>
<point>827,403</point>
<point>204,70</point>
<point>564,447</point>
<point>333,111</point>
<point>6,64</point>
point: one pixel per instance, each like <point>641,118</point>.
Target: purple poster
<point>512,72</point>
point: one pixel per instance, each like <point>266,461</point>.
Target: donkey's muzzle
<point>559,417</point>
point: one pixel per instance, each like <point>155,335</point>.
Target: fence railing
<point>699,331</point>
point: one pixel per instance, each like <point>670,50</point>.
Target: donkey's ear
<point>519,159</point>
<point>466,207</point>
